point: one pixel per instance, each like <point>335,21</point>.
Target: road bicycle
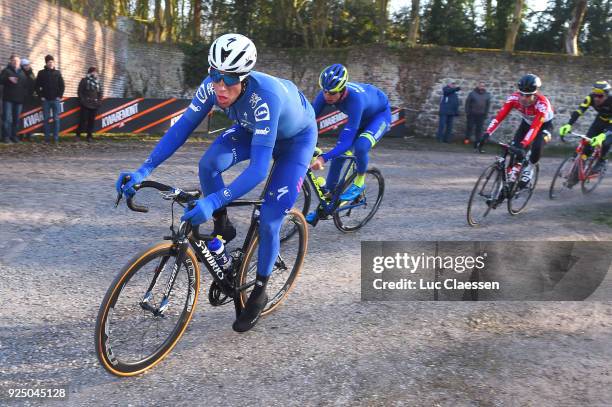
<point>501,181</point>
<point>347,216</point>
<point>578,168</point>
<point>149,304</point>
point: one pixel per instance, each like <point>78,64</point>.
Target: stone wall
<point>413,77</point>
<point>35,28</point>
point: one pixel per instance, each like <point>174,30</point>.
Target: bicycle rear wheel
<point>485,196</point>
<point>287,266</point>
<point>565,178</point>
<point>302,204</point>
<point>520,196</point>
<point>351,216</point>
<point>591,179</point>
<point>130,338</point>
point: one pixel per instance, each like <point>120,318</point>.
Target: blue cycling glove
<point>136,177</point>
<point>203,210</point>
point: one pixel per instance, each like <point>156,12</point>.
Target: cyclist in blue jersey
<point>272,120</point>
<point>369,118</point>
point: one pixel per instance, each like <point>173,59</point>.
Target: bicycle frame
<point>328,205</point>
<point>184,237</point>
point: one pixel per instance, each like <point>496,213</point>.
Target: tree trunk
<point>571,37</point>
<point>489,22</point>
<point>169,14</point>
<point>158,20</point>
<point>319,25</point>
<point>197,19</point>
<point>514,26</point>
<point>382,19</point>
<point>415,20</point>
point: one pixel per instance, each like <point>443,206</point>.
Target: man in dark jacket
<point>31,100</point>
<point>50,89</point>
<point>14,83</point>
<point>90,99</point>
<point>476,110</point>
<point>449,108</point>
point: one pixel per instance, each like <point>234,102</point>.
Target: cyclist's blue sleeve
<point>318,104</point>
<point>255,173</point>
<point>347,136</point>
<point>176,136</point>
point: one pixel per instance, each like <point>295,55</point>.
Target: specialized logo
<point>210,259</point>
<point>262,113</point>
<point>262,132</point>
<point>282,191</point>
<point>254,100</point>
<point>120,115</point>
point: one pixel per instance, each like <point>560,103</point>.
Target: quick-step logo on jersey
<point>262,112</point>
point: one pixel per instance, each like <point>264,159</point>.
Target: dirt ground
<point>62,242</point>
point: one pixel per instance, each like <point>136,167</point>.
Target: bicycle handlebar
<point>512,149</point>
<point>578,135</point>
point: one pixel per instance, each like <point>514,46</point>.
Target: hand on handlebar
<point>126,181</point>
<point>201,211</point>
<point>317,164</point>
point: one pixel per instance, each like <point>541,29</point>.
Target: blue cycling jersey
<point>271,108</point>
<point>361,103</point>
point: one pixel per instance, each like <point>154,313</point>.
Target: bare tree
<point>571,36</point>
<point>383,6</point>
<point>514,25</point>
<point>197,19</point>
<point>415,20</point>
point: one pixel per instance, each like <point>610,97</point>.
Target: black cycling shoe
<point>222,226</point>
<point>252,310</point>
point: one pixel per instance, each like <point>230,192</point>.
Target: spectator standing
<point>14,82</point>
<point>449,108</point>
<point>477,106</point>
<point>50,89</point>
<point>90,99</point>
<point>30,97</point>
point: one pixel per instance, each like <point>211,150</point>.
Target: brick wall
<point>35,28</point>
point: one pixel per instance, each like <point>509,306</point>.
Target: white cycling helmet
<point>232,53</point>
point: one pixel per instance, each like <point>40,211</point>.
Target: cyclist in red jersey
<point>537,114</point>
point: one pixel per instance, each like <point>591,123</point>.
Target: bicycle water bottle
<point>514,172</point>
<point>218,251</point>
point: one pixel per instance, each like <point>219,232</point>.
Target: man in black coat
<point>90,99</point>
<point>31,100</point>
<point>14,82</point>
<point>449,108</point>
<point>50,89</point>
<point>477,106</point>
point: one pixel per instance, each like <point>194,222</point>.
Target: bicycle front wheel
<point>486,195</point>
<point>565,178</point>
<point>351,216</point>
<point>131,334</point>
<point>286,268</point>
<point>593,179</point>
<point>520,195</point>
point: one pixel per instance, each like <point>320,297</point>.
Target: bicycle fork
<point>145,304</point>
